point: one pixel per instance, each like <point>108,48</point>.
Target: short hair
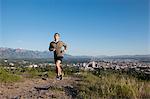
<point>56,34</point>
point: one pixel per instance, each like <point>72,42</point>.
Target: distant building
<point>33,65</point>
<point>5,60</point>
<point>11,64</point>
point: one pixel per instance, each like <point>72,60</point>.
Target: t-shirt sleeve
<point>51,47</point>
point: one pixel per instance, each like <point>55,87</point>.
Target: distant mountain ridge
<point>23,53</point>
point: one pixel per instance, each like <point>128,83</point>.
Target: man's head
<point>56,36</point>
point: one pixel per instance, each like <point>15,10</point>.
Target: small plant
<point>69,71</point>
<point>7,77</point>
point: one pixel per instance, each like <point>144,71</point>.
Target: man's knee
<point>58,62</point>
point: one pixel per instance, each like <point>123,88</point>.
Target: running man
<point>59,48</point>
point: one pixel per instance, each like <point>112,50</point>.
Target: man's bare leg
<point>58,65</point>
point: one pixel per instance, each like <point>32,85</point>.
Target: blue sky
<point>89,27</point>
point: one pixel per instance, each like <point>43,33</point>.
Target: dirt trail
<point>39,89</point>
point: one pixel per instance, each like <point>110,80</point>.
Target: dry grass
<point>112,85</point>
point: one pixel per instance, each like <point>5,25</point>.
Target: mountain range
<point>23,53</point>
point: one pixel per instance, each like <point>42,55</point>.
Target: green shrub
<point>69,71</point>
<point>7,77</point>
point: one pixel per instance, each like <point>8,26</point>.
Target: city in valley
<point>26,74</point>
<point>132,65</point>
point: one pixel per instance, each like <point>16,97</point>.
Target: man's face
<point>56,37</point>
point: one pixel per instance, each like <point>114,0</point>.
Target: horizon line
<point>78,55</point>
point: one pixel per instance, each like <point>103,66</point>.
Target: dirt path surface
<point>39,89</point>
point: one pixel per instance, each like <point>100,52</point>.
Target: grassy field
<point>111,85</point>
<point>91,84</point>
<point>7,77</point>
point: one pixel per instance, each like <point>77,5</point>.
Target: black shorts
<point>58,58</point>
